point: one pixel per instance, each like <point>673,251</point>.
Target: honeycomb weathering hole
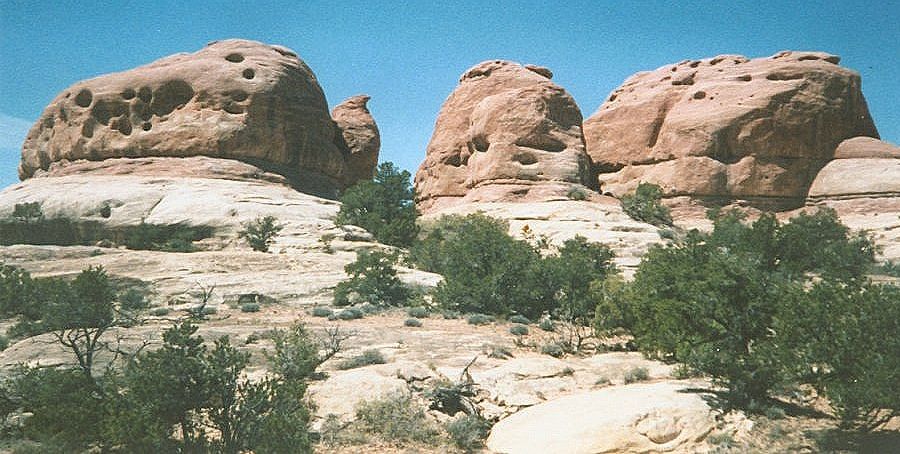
<point>234,58</point>
<point>128,93</point>
<point>249,73</point>
<point>84,98</point>
<point>170,96</point>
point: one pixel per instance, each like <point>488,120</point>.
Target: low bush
<point>547,325</point>
<point>367,358</point>
<point>412,322</point>
<point>351,313</point>
<point>322,311</point>
<point>518,330</point>
<point>160,311</point>
<point>644,205</point>
<point>479,319</point>
<point>250,307</point>
<point>484,268</point>
<point>553,349</point>
<point>260,233</point>
<point>636,374</point>
<point>520,319</point>
<point>396,418</point>
<point>576,193</point>
<point>417,312</point>
<point>468,432</point>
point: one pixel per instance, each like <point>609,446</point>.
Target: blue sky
<point>408,55</point>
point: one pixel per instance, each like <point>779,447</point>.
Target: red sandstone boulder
<point>506,133</point>
<point>233,99</point>
<point>728,128</point>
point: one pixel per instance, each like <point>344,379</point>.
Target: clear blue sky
<point>408,55</point>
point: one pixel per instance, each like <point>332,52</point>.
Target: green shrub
<point>160,311</point>
<point>417,312</point>
<point>479,319</point>
<point>522,320</point>
<point>636,374</point>
<point>710,301</point>
<point>573,271</point>
<point>367,358</point>
<point>373,279</point>
<point>133,300</point>
<point>842,339</point>
<point>644,205</point>
<point>547,325</point>
<point>351,313</point>
<point>412,322</point>
<point>396,418</point>
<point>450,315</point>
<point>261,232</point>
<point>383,206</point>
<point>165,237</point>
<point>518,330</point>
<point>4,342</point>
<point>576,193</point>
<point>321,311</point>
<point>468,432</point>
<point>28,212</point>
<point>250,307</point>
<point>28,225</point>
<point>887,268</point>
<point>553,349</point>
<point>484,268</point>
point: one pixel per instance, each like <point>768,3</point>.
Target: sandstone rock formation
<point>863,167</point>
<point>360,136</point>
<point>728,128</point>
<point>506,133</point>
<point>862,184</point>
<point>232,99</point>
<point>657,417</point>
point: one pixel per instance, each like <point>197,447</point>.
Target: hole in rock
<point>239,95</point>
<point>103,111</point>
<point>87,129</point>
<point>249,73</point>
<point>233,108</point>
<point>170,96</point>
<point>234,58</point>
<point>84,98</point>
<point>145,94</point>
<point>128,93</point>
<point>480,143</point>
<point>146,126</point>
<point>525,158</point>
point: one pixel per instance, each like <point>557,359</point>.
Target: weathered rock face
<point>657,417</point>
<point>863,167</point>
<point>360,135</point>
<point>506,133</point>
<point>728,128</point>
<point>232,99</point>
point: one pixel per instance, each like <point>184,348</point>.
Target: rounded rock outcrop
<point>507,132</point>
<point>233,99</point>
<point>863,167</point>
<point>728,128</point>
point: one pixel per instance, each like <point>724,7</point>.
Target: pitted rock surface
<point>232,99</point>
<point>507,133</point>
<point>728,128</point>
